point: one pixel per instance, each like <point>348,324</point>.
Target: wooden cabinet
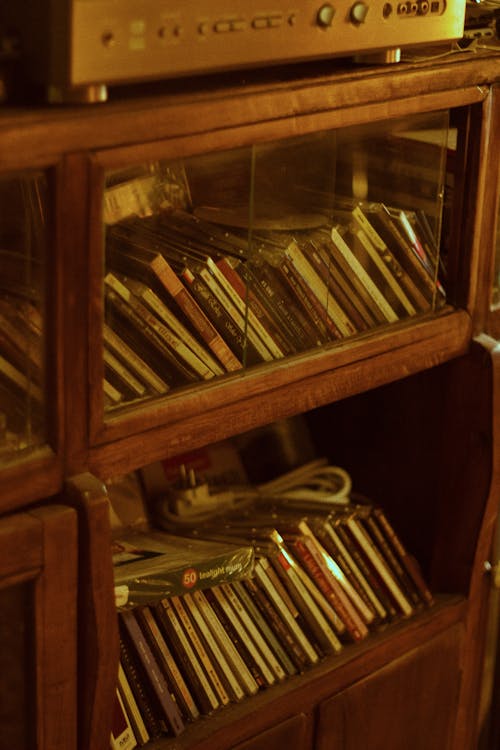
<point>409,408</point>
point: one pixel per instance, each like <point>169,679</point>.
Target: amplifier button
<point>325,15</point>
<point>235,24</point>
<point>358,12</point>
<point>274,21</point>
<point>108,39</point>
<point>267,22</point>
<point>164,32</point>
<point>222,26</point>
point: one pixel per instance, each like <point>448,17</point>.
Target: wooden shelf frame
<point>77,144</point>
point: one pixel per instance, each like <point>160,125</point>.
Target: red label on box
<point>189,578</point>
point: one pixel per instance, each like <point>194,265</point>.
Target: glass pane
<point>23,236</point>
<point>236,258</point>
<point>356,214</point>
<point>164,327</point>
<point>17,667</point>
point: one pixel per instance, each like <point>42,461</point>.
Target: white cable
<point>315,482</point>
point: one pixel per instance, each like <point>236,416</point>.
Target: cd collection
<point>322,569</point>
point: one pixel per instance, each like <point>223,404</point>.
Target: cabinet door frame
<point>487,222</point>
<point>479,594</point>
<point>98,642</point>
<point>38,473</point>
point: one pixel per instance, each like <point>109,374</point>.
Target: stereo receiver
<point>76,48</point>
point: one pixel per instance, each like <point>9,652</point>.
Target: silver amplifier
<point>76,48</point>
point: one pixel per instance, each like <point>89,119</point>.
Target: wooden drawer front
<point>292,734</point>
<point>410,703</point>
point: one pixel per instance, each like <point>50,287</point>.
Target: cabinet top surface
<point>166,109</point>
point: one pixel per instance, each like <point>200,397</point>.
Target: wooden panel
<point>21,560</point>
<point>408,704</point>
<point>17,667</point>
<point>422,447</point>
<point>20,547</point>
<point>38,584</point>
<point>27,480</point>
<point>292,734</point>
<point>55,598</point>
<point>74,223</point>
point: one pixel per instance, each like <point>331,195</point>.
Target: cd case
<point>150,565</point>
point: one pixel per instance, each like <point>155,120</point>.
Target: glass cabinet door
<point>224,261</point>
<point>23,238</point>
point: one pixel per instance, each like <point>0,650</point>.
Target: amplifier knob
<point>325,15</point>
<point>358,12</point>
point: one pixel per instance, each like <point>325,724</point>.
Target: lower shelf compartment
<point>427,646</point>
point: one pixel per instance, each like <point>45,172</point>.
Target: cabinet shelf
<point>190,420</point>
